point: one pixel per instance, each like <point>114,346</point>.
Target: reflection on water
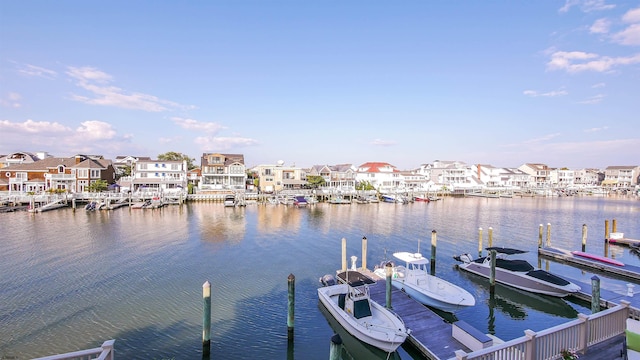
<point>70,280</point>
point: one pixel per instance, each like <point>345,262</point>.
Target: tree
<point>315,181</point>
<point>364,185</point>
<point>176,156</point>
<point>98,186</point>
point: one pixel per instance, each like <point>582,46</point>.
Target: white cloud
<point>534,93</point>
<point>632,16</point>
<point>223,143</point>
<point>31,127</point>
<point>598,85</point>
<point>12,100</point>
<point>95,82</point>
<point>586,5</point>
<point>577,61</point>
<point>95,130</point>
<point>190,124</point>
<point>542,138</point>
<point>596,129</point>
<point>600,26</point>
<point>629,36</point>
<point>596,99</point>
<point>380,142</point>
<point>37,71</point>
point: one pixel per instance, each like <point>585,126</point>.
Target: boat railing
<point>576,335</point>
<point>104,352</point>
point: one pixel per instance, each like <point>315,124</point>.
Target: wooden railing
<point>105,352</point>
<point>576,335</point>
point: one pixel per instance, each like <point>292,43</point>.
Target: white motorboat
<point>349,303</point>
<point>517,273</point>
<point>229,200</point>
<point>413,278</point>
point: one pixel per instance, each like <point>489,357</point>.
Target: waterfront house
<point>21,157</point>
<point>274,178</point>
<point>56,173</point>
<point>541,174</point>
<point>381,175</point>
<point>158,176</point>
<point>222,172</point>
<point>587,177</point>
<point>336,177</point>
<point>122,162</point>
<point>621,177</point>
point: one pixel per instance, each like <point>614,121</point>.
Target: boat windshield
<point>361,308</point>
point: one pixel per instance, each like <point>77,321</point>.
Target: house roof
<point>93,164</point>
<point>42,165</point>
<point>375,167</point>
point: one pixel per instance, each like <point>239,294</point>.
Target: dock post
<point>614,225</point>
<point>479,242</point>
<point>434,240</point>
<point>364,253</point>
<point>334,349</point>
<point>388,270</point>
<point>584,237</point>
<point>490,236</point>
<point>291,281</point>
<point>548,234</point>
<point>595,294</point>
<point>540,236</point>
<point>344,254</point>
<point>206,319</point>
<point>606,230</point>
<point>73,204</point>
<point>492,278</point>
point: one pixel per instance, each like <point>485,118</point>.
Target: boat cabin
<point>356,302</point>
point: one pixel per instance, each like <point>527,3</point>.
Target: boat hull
<point>384,331</point>
<point>520,280</point>
<point>433,291</point>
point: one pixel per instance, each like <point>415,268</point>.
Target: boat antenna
<point>418,245</point>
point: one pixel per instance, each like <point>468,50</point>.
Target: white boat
<point>50,206</point>
<point>349,303</point>
<point>414,279</point>
<point>229,200</point>
<point>517,273</point>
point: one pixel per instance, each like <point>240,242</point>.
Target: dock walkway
<point>430,333</point>
<point>627,271</point>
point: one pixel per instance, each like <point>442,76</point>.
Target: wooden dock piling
<point>364,252</point>
<point>434,240</point>
<point>492,277</point>
<point>344,254</point>
<point>548,234</point>
<point>584,237</point>
<point>291,281</point>
<point>480,242</point>
<point>206,319</point>
<point>388,271</point>
<point>595,294</point>
<point>540,236</point>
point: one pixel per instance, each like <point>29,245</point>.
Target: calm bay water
<point>70,280</point>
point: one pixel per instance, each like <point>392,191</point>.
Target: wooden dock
<point>630,272</point>
<point>430,333</point>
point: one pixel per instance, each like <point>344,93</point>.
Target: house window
<point>267,172</point>
<point>95,173</point>
<point>164,165</point>
<point>83,173</point>
<point>142,166</point>
<point>156,165</point>
<point>175,166</point>
<point>156,174</point>
<point>143,175</point>
<point>61,169</point>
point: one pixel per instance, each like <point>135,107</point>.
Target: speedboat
<point>229,200</point>
<point>517,273</point>
<point>414,279</point>
<point>350,304</point>
<point>300,201</point>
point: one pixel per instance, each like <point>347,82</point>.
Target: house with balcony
<point>562,178</point>
<point>540,173</point>
<point>56,173</point>
<point>278,177</point>
<point>158,176</point>
<point>222,172</point>
<point>339,177</point>
<point>381,175</point>
<point>587,177</point>
<point>621,177</point>
<point>21,157</point>
<point>122,162</point>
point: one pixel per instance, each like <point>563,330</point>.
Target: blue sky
<point>325,82</point>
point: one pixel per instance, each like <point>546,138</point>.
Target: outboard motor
<point>464,258</point>
<point>327,280</point>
